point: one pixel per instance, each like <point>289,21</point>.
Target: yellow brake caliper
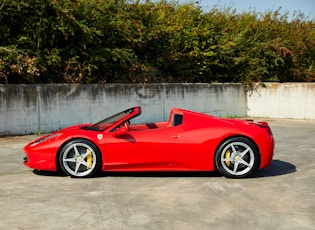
<point>89,158</point>
<point>227,156</point>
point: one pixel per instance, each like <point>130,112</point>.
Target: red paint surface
<point>189,146</point>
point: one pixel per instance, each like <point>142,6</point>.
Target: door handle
<point>176,136</point>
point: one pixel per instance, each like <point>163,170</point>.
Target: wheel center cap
<point>79,159</point>
<point>237,158</point>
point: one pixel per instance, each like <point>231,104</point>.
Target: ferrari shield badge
<point>100,136</point>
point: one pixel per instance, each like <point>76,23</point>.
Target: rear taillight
<point>265,126</point>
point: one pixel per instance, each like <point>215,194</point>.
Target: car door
<point>152,149</point>
<point>194,152</point>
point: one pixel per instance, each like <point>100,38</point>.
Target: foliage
<point>99,41</point>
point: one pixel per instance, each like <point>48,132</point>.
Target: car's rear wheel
<point>79,158</point>
<point>237,157</point>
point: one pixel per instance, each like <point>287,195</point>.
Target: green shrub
<point>103,41</point>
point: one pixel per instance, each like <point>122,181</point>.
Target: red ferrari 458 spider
<point>188,141</point>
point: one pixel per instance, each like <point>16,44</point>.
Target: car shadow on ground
<point>48,173</point>
<point>134,174</point>
<point>277,168</point>
<point>160,174</point>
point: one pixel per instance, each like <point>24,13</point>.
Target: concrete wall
<point>282,100</point>
<point>28,109</point>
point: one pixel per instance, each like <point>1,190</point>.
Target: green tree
<point>130,41</point>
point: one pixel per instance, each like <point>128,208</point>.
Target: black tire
<point>237,157</point>
<point>80,158</point>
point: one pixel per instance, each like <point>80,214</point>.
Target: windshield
<point>104,124</point>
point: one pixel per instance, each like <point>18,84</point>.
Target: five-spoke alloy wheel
<point>79,158</point>
<point>237,157</point>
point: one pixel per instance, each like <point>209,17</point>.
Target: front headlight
<point>45,138</point>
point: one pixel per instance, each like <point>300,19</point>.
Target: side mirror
<point>120,131</point>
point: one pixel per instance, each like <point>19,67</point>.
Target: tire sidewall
<point>91,145</point>
<point>230,140</point>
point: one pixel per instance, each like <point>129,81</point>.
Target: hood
<point>54,136</point>
<point>71,128</point>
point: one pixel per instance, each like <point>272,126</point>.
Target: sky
<point>307,7</point>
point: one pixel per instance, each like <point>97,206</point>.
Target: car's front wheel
<point>237,157</point>
<point>79,158</point>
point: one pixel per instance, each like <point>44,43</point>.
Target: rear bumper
<point>266,148</point>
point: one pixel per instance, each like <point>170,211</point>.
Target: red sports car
<point>188,141</point>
